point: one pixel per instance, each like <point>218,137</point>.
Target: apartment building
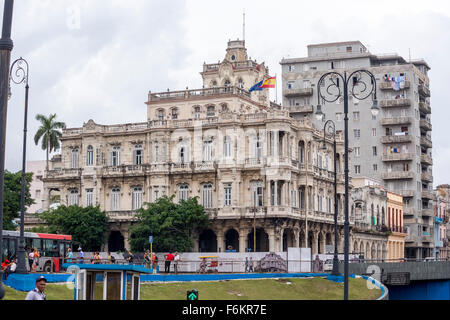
<point>395,146</point>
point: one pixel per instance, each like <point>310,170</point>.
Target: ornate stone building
<point>251,165</point>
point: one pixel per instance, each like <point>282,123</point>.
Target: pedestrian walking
<point>169,257</point>
<point>176,259</point>
<point>147,260</point>
<point>38,292</point>
<point>250,265</point>
<point>80,255</point>
<point>69,255</point>
<point>130,257</point>
<point>155,263</point>
<point>36,256</point>
<point>246,264</point>
<point>31,259</point>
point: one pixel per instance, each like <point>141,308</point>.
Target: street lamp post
<point>360,90</point>
<point>18,75</point>
<point>329,130</point>
<point>6,46</point>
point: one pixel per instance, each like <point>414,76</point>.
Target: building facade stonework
<point>252,166</point>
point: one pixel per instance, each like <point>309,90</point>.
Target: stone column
<point>268,184</point>
<point>271,233</point>
<point>315,248</point>
<point>296,238</point>
<point>220,241</point>
<point>324,243</point>
<point>276,192</point>
<point>243,235</point>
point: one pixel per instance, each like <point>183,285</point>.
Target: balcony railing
<point>425,107</point>
<point>298,92</point>
<point>396,139</point>
<point>63,173</point>
<point>393,175</point>
<point>406,193</point>
<point>424,141</point>
<point>427,195</point>
<point>426,159</point>
<point>298,109</point>
<point>124,215</point>
<point>423,90</point>
<point>187,94</point>
<point>236,65</point>
<point>388,85</point>
<point>425,124</point>
<point>387,103</point>
<point>397,157</point>
<point>427,212</point>
<point>427,177</point>
<point>398,229</point>
<point>396,121</point>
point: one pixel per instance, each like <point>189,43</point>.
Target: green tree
<point>87,226</point>
<point>11,197</point>
<point>49,133</point>
<point>170,224</point>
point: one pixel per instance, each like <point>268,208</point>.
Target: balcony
<point>196,93</point>
<point>427,177</point>
<point>254,162</point>
<point>396,139</point>
<point>396,121</point>
<point>397,157</point>
<point>125,215</point>
<point>425,107</point>
<point>394,175</point>
<point>427,195</point>
<point>426,159</point>
<point>204,166</point>
<point>424,141</point>
<point>390,103</point>
<point>398,229</point>
<point>423,90</point>
<point>406,193</point>
<point>388,85</point>
<point>427,237</point>
<point>180,167</point>
<point>427,212</point>
<point>298,92</point>
<point>63,174</point>
<point>425,124</point>
<point>300,109</point>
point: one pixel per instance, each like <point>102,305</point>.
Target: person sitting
<point>11,268</point>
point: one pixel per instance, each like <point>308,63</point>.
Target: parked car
<point>328,265</point>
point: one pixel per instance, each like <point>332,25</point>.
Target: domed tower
<point>236,51</point>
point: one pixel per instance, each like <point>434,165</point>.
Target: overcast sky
<point>97,59</point>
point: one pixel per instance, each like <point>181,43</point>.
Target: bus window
<point>37,244</point>
<point>61,249</point>
<point>12,248</point>
<point>5,249</point>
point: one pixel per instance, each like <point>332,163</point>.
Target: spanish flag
<point>269,83</point>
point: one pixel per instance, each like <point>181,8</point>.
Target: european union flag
<point>256,86</point>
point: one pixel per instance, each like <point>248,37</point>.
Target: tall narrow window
<point>207,194</point>
<point>207,150</point>
<point>73,197</point>
<point>90,156</point>
<point>136,201</point>
<point>137,154</point>
<point>115,199</point>
<point>89,197</point>
<point>183,192</point>
<point>227,147</point>
<point>156,193</point>
<point>293,198</point>
<point>210,112</point>
<point>115,156</point>
<point>74,159</point>
<point>227,193</point>
<point>197,112</point>
<point>160,114</point>
<point>174,113</point>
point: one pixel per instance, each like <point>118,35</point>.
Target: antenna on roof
<point>243,27</point>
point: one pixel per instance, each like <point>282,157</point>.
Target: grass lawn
<point>267,289</point>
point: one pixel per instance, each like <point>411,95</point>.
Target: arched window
<point>90,156</point>
<point>301,152</point>
<point>241,83</point>
<point>114,156</point>
<point>224,107</point>
<point>73,197</point>
<point>210,111</point>
<point>183,192</point>
<point>136,201</point>
<point>74,158</point>
<point>137,154</point>
<point>197,112</point>
<point>207,196</point>
<point>115,199</point>
<point>214,84</point>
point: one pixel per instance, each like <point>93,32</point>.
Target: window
<point>306,84</point>
<point>357,133</point>
<point>160,114</point>
<point>356,116</point>
<point>227,147</point>
<point>290,84</point>
<point>38,194</point>
<point>115,199</point>
<point>210,112</point>
<point>99,157</point>
<point>207,196</point>
<point>241,83</point>
<point>256,146</point>
<point>137,154</point>
<point>90,156</point>
<point>183,154</point>
<point>160,152</point>
<point>73,197</point>
<point>227,191</point>
<point>374,150</point>
<point>207,150</point>
<point>136,200</point>
<point>257,193</point>
<point>89,197</point>
<point>174,113</point>
<point>338,116</point>
<point>374,132</point>
<point>156,194</point>
<point>348,49</point>
<point>291,68</point>
<point>197,112</point>
<point>74,159</point>
<point>357,151</point>
<point>375,167</point>
<point>115,156</point>
<point>293,198</point>
<point>305,67</point>
<point>358,169</point>
<point>183,192</point>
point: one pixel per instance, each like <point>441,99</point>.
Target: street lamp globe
<point>319,113</point>
<point>375,109</point>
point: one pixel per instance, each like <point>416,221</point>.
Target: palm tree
<point>49,133</point>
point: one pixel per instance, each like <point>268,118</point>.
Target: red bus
<point>52,248</point>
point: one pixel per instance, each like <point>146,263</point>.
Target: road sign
<point>192,294</point>
<point>150,239</point>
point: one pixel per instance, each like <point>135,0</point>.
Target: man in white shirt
<point>176,259</point>
<point>11,268</point>
<point>38,292</point>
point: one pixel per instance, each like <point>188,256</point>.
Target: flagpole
<point>276,89</point>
